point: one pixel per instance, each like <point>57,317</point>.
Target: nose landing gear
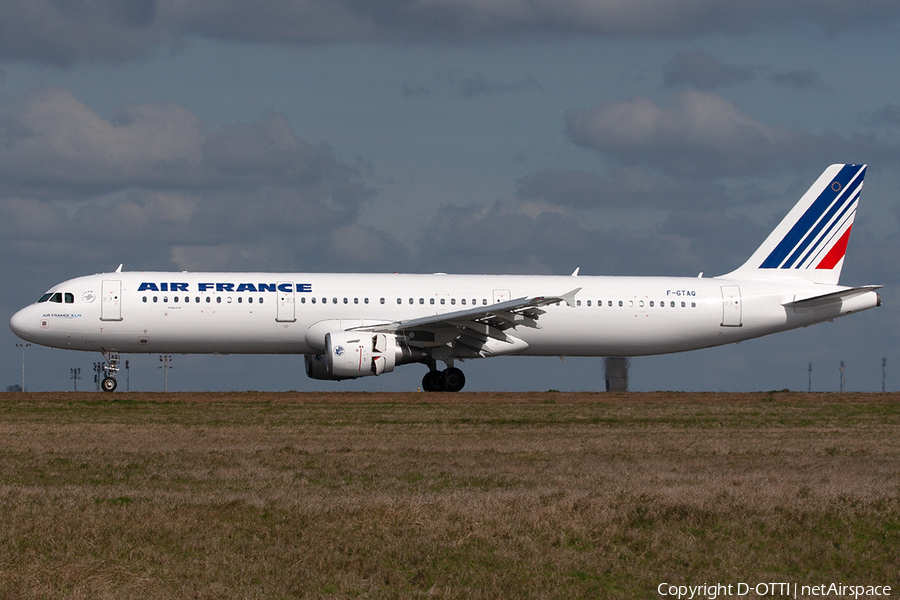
<point>109,383</point>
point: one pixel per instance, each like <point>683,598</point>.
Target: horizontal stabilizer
<point>831,297</point>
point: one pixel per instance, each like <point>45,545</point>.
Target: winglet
<point>575,272</point>
<point>569,297</point>
<point>119,269</point>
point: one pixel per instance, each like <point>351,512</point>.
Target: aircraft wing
<point>475,332</point>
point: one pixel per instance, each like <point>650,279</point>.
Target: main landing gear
<point>109,383</point>
<point>448,380</point>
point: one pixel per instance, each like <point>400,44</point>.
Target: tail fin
<point>811,240</point>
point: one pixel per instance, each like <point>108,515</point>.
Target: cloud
<point>157,185</point>
<point>64,33</point>
<point>478,239</point>
<point>700,69</point>
<point>701,134</point>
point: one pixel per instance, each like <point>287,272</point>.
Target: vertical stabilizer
<point>810,242</point>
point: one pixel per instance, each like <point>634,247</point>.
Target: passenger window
<point>261,300</point>
<point>382,300</point>
<point>166,299</point>
<point>240,299</point>
<point>208,300</point>
<point>219,299</point>
<point>155,298</point>
<point>463,301</point>
<point>421,300</point>
<point>578,303</point>
<point>250,299</point>
<point>693,305</point>
<point>399,301</point>
<point>313,300</point>
<point>365,300</point>
<point>641,303</point>
<point>145,298</point>
<point>683,305</point>
<point>620,303</point>
<point>175,300</point>
<point>589,302</point>
<point>484,301</point>
<point>356,301</point>
<point>334,300</point>
<point>443,301</point>
<point>431,300</point>
<point>197,299</point>
<point>70,298</point>
<point>346,301</point>
<point>453,301</point>
<point>610,303</point>
<point>672,305</point>
<point>651,304</point>
<point>412,301</point>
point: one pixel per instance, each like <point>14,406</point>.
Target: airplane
<point>359,325</point>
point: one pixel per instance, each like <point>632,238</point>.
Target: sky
<point>647,137</point>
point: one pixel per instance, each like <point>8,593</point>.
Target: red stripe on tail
<point>836,253</point>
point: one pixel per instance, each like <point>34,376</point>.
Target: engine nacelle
<point>359,354</point>
<point>316,368</point>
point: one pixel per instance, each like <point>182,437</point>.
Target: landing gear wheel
<point>454,380</point>
<point>109,384</point>
<point>433,381</point>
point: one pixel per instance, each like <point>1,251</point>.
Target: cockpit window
<point>70,298</point>
<point>57,297</point>
<point>45,297</point>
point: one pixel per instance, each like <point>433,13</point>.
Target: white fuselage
<point>280,313</point>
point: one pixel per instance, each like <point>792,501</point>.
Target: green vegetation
<point>545,495</point>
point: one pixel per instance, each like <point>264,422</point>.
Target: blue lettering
<point>285,287</point>
<point>164,287</point>
<point>179,287</point>
<point>246,287</point>
<point>304,287</point>
<point>202,287</point>
<point>224,287</point>
<point>148,286</point>
<point>266,287</point>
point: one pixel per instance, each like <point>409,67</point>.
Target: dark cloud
<point>887,115</point>
<point>703,135</point>
<point>159,187</point>
<point>700,69</point>
<point>801,80</point>
<point>64,33</point>
<point>624,187</point>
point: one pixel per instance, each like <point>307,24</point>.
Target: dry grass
<point>551,495</point>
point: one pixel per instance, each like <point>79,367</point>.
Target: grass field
<point>545,495</point>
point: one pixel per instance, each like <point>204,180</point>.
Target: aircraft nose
<point>22,324</point>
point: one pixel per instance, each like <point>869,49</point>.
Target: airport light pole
<point>165,363</point>
<point>23,347</point>
<point>76,375</point>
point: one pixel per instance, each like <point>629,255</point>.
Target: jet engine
<point>352,354</point>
